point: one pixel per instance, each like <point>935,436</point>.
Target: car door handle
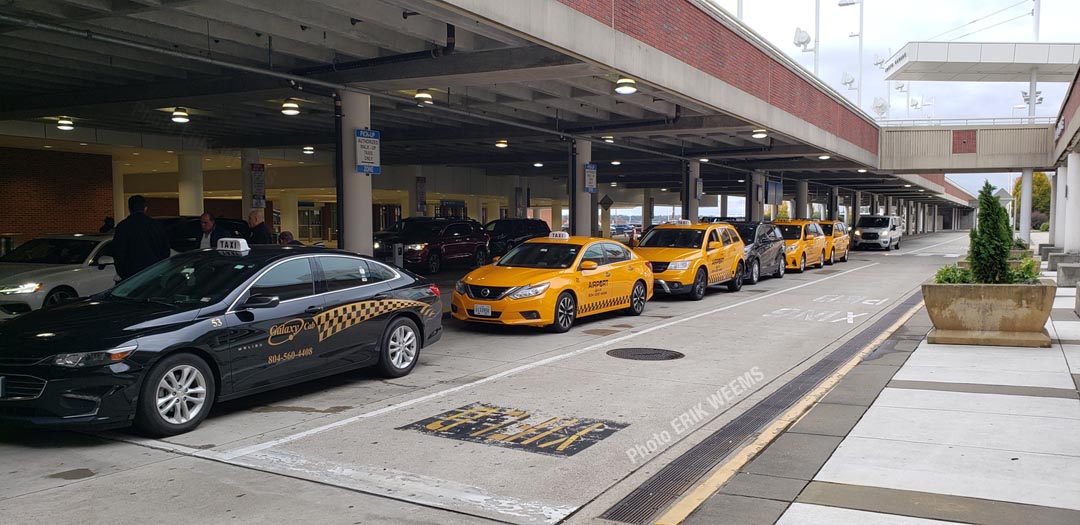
<point>313,309</point>
<point>608,274</point>
<point>381,297</point>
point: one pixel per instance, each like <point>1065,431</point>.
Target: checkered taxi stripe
<point>612,302</point>
<point>334,321</point>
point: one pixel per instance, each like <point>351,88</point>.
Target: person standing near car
<point>139,241</point>
<point>260,233</point>
<point>210,233</point>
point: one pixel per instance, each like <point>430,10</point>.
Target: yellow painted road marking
<point>478,412</point>
<point>566,441</point>
<point>696,496</point>
<point>528,429</point>
<point>520,416</point>
<point>549,432</point>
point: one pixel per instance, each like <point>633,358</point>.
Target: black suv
<point>428,243</point>
<point>185,231</point>
<point>764,249</point>
<point>507,233</point>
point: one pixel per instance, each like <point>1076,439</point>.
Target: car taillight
<point>435,290</point>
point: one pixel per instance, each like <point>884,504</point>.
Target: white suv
<point>877,231</point>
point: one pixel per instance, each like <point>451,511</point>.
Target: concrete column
<point>723,205</point>
<point>856,208</point>
<point>921,213</point>
<point>249,156</point>
<point>356,109</point>
<point>556,216</point>
<point>755,197</point>
<point>834,203</point>
<point>493,209</point>
<point>1062,181</point>
<point>289,206</point>
<point>581,214</point>
<point>512,210</point>
<point>802,200</point>
<point>119,199</point>
<point>1025,205</point>
<point>1072,205</point>
<point>190,182</point>
<point>646,208</point>
<point>690,195</point>
<point>472,207</point>
<point>605,222</point>
<point>1053,205</point>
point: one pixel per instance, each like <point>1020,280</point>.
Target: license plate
<point>482,310</point>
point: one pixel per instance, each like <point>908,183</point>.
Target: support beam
<point>1062,181</point>
<point>356,109</point>
<point>1054,177</point>
<point>119,199</point>
<point>190,182</point>
<point>289,206</point>
<point>691,198</point>
<point>580,213</point>
<point>802,200</point>
<point>1072,203</point>
<point>1025,205</point>
<point>646,208</point>
<point>755,197</point>
<point>248,156</point>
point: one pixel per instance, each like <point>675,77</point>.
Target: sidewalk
<point>926,434</point>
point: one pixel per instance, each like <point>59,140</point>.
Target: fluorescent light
<point>742,180</point>
<point>625,86</point>
<point>309,150</point>
<point>290,108</point>
<point>907,185</point>
<point>65,124</point>
<point>663,189</point>
<point>83,144</point>
<point>423,97</point>
<point>760,133</point>
<point>180,116</point>
<point>614,184</point>
<point>616,162</point>
<point>502,143</point>
<point>47,146</point>
<point>862,170</point>
<point>824,157</point>
<point>538,164</point>
<point>609,139</point>
<point>703,159</point>
<point>922,190</point>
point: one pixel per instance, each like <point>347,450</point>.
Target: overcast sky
<point>890,24</point>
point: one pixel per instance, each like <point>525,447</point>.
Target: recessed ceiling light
<point>862,170</point>
<point>824,157</point>
<point>921,189</point>
<point>135,153</point>
<point>290,108</point>
<point>169,151</point>
<point>907,185</point>
<point>269,164</point>
<point>614,184</point>
<point>423,97</point>
<point>703,159</point>
<point>742,180</point>
<point>663,189</point>
<point>180,116</point>
<point>165,162</point>
<point>153,170</point>
<point>625,86</point>
<point>83,144</point>
<point>47,146</point>
<point>760,133</point>
<point>502,143</point>
<point>301,162</point>
<point>609,139</point>
<point>538,164</point>
<point>65,123</point>
<point>616,162</point>
<point>127,163</point>
<point>207,158</point>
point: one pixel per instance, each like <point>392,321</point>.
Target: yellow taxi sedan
<point>688,258</point>
<point>552,281</point>
<point>805,241</point>
<point>837,241</point>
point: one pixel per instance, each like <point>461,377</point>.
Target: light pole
<point>844,3</point>
<point>803,39</point>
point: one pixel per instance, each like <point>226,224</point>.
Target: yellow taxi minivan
<point>687,258</point>
<point>837,241</point>
<point>805,242</point>
<point>553,281</point>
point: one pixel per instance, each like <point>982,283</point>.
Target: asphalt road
<point>494,425</point>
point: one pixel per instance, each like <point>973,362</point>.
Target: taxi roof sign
<point>562,236</point>
<point>239,246</point>
<point>681,222</point>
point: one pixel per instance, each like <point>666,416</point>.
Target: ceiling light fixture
<point>862,170</point>
<point>760,133</point>
<point>290,108</point>
<point>663,189</point>
<point>614,184</point>
<point>921,189</point>
<point>83,144</point>
<point>626,86</point>
<point>742,180</point>
<point>423,98</point>
<point>309,150</point>
<point>824,157</point>
<point>180,116</point>
<point>502,143</point>
<point>47,146</point>
<point>907,185</point>
<point>609,139</point>
<point>616,162</point>
<point>538,164</point>
<point>65,123</point>
<point>703,159</point>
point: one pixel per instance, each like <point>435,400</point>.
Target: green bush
<point>953,275</point>
<point>991,240</point>
<point>1044,227</point>
<point>1020,244</point>
<point>1027,273</point>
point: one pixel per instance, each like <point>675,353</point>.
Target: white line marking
<point>936,245</point>
<point>243,451</point>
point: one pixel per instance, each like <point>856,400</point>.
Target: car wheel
<point>481,258</point>
<point>637,299</point>
<point>434,262</point>
<point>701,283</point>
<point>897,244</point>
<point>565,313</point>
<point>832,258</point>
<point>400,348</point>
<point>845,257</point>
<point>735,284</point>
<point>802,263</point>
<point>781,266</point>
<point>59,296</point>
<point>754,275</point>
<point>176,396</point>
<point>821,260</point>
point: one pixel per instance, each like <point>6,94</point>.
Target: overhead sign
<point>590,178</point>
<point>367,152</point>
<point>700,188</point>
<point>257,172</point>
<point>606,202</point>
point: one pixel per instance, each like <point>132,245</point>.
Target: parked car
<point>429,243</point>
<point>507,233</point>
<point>764,249</point>
<point>837,241</point>
<point>688,258</point>
<point>54,269</point>
<point>877,231</point>
<point>185,231</point>
<point>805,242</point>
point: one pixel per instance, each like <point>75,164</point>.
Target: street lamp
<point>802,38</point>
<point>844,3</point>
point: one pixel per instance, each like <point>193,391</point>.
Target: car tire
<point>781,266</point>
<point>699,286</point>
<point>59,296</point>
<point>802,263</point>
<point>832,258</point>
<point>821,261</point>
<point>481,258</point>
<point>754,275</point>
<point>565,313</point>
<point>845,257</point>
<point>736,283</point>
<point>399,348</point>
<point>182,382</point>
<point>638,297</point>
<point>434,263</point>
<point>897,244</point>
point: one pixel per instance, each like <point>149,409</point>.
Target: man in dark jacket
<point>210,233</point>
<point>139,241</point>
<point>260,233</point>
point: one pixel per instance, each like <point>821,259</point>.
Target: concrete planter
<point>990,314</point>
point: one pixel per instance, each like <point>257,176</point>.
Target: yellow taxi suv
<point>688,258</point>
<point>837,241</point>
<point>552,281</point>
<point>804,241</point>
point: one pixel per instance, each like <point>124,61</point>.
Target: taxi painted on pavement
<point>837,241</point>
<point>688,258</point>
<point>552,281</point>
<point>805,243</point>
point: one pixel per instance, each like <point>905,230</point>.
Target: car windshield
<point>51,251</point>
<point>873,222</point>
<point>541,255</point>
<point>746,232</point>
<point>187,280</point>
<point>499,226</point>
<point>673,238</point>
<point>826,227</point>
<point>791,232</point>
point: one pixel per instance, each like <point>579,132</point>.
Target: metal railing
<point>956,122</point>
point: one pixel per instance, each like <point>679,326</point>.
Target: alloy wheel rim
<point>402,347</point>
<point>58,297</point>
<point>181,394</point>
<point>755,272</point>
<point>699,284</point>
<point>783,267</point>
<point>802,263</point>
<point>566,312</point>
<point>638,299</point>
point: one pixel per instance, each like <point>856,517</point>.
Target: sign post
<point>367,152</point>
<point>590,178</point>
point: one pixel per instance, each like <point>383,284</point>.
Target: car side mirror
<point>104,261</point>
<point>261,301</point>
<point>495,259</point>
<point>634,243</point>
<point>589,265</point>
<point>810,236</point>
<point>715,245</point>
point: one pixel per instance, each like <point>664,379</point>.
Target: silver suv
<point>877,231</point>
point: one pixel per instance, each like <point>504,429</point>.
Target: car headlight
<point>858,233</point>
<point>524,292</point>
<point>85,359</point>
<point>415,247</point>
<point>791,248</point>
<point>377,245</point>
<point>21,288</point>
<point>884,235</point>
<point>459,287</point>
<point>679,265</point>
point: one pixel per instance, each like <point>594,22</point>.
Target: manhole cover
<point>645,354</point>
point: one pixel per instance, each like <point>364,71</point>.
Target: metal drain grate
<point>645,354</point>
<point>675,478</point>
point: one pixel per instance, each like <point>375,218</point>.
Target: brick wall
<point>680,29</point>
<point>53,192</point>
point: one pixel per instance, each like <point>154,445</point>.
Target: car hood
<point>872,230</point>
<point>396,238</point>
<point>18,273</point>
<point>667,254</point>
<point>506,276</point>
<point>85,326</point>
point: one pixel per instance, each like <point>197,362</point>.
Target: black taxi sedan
<point>162,347</point>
